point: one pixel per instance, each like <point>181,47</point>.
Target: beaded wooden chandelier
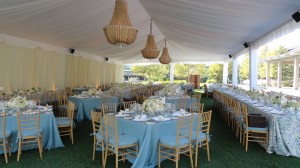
<point>120,30</point>
<point>165,57</point>
<point>150,51</point>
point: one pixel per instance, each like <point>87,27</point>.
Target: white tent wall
<point>24,68</point>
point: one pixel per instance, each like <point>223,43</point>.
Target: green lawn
<point>226,152</point>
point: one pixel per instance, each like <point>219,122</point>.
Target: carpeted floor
<point>226,152</point>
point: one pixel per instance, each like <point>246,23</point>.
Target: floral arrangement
<point>170,90</point>
<point>276,98</point>
<point>35,89</point>
<point>17,102</point>
<point>92,92</point>
<point>152,105</point>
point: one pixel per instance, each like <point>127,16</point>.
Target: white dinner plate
<point>136,119</point>
<point>150,123</point>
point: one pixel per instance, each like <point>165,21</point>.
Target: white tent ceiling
<point>200,31</point>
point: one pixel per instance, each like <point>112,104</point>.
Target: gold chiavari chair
<point>109,108</point>
<point>180,143</point>
<point>253,134</point>
<point>196,107</point>
<point>62,105</point>
<point>200,137</point>
<point>139,98</point>
<point>126,105</point>
<point>206,92</point>
<point>69,91</point>
<point>122,145</point>
<point>29,131</point>
<point>182,104</point>
<point>146,95</point>
<point>197,96</point>
<point>5,136</point>
<point>65,123</point>
<point>98,134</point>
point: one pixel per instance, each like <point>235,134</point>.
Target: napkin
<point>140,117</point>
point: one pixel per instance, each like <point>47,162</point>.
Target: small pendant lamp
<point>150,51</point>
<point>165,57</point>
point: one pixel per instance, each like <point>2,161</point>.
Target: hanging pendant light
<point>120,31</point>
<point>165,57</point>
<point>150,51</point>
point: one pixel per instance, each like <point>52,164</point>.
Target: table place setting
<point>180,113</point>
<point>122,114</point>
<point>142,117</point>
<point>127,111</point>
<point>161,118</point>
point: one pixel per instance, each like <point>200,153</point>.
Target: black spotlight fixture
<point>106,59</point>
<point>296,16</point>
<point>230,55</point>
<point>246,45</point>
<point>72,50</point>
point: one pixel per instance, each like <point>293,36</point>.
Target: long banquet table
<point>284,127</point>
<point>85,105</point>
<point>148,136</point>
<point>51,138</point>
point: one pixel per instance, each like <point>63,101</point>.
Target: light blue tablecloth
<point>148,136</point>
<point>51,138</point>
<point>85,105</point>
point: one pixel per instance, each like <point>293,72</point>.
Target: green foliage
<point>273,66</point>
<point>244,68</point>
<point>215,73</point>
<point>151,72</point>
<point>230,72</point>
<point>184,70</point>
<point>212,81</point>
<point>132,79</point>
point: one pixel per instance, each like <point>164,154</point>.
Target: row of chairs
<point>235,114</point>
<point>184,141</point>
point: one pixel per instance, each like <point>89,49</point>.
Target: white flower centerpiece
<point>92,92</point>
<point>17,102</point>
<point>153,106</point>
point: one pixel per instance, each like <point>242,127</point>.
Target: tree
<point>215,73</point>
<point>151,72</point>
<point>230,72</point>
<point>273,66</point>
<point>181,70</point>
<point>184,70</point>
<point>244,68</point>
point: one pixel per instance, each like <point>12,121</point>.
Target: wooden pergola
<point>292,57</point>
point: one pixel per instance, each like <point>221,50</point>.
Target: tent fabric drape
<point>82,71</point>
<point>24,68</point>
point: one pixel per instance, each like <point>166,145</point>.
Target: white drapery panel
<point>24,68</point>
<point>86,72</point>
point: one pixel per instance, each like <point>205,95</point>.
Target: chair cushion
<point>65,107</point>
<point>99,136</point>
<point>7,134</point>
<point>170,140</point>
<point>63,121</point>
<point>201,136</point>
<point>27,133</point>
<point>124,140</point>
<point>255,128</point>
